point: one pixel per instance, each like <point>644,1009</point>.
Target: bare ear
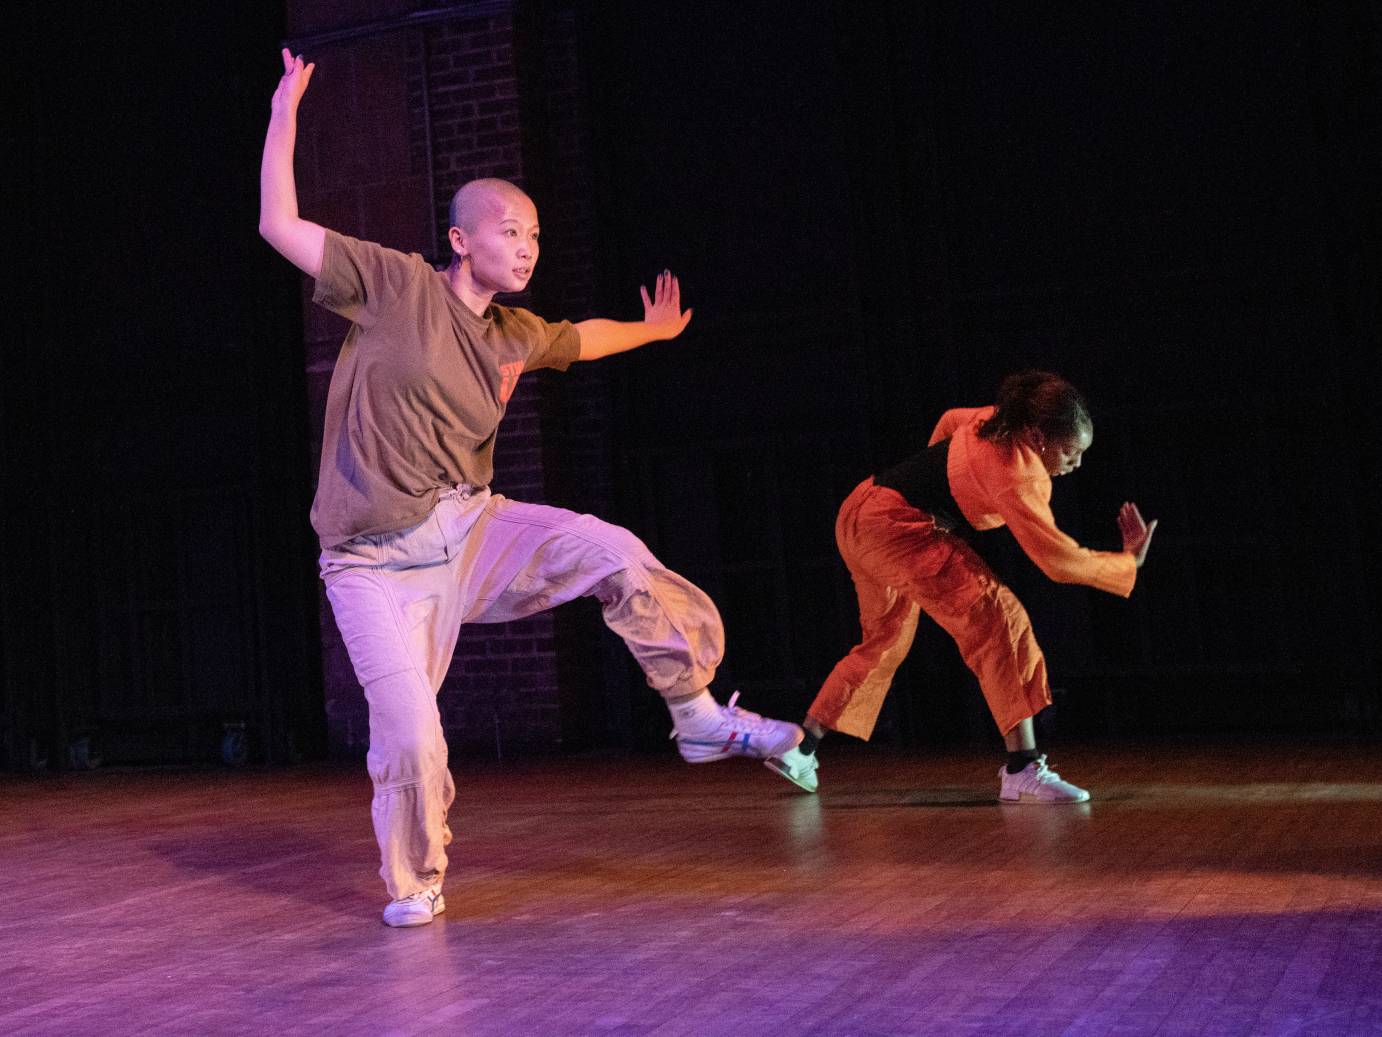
<point>457,238</point>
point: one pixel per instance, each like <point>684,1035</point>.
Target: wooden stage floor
<point>1207,889</point>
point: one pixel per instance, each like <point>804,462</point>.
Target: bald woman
<point>413,543</point>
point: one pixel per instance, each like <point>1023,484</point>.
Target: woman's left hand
<point>1137,533</point>
<point>662,310</point>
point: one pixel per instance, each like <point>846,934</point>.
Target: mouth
<point>523,272</point>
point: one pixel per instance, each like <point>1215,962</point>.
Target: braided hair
<point>1039,400</point>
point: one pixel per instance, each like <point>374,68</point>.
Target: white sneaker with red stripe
<point>737,732</point>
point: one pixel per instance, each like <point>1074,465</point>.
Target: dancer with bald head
<point>479,198</point>
<point>413,541</point>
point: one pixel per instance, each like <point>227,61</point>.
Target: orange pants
<point>903,564</point>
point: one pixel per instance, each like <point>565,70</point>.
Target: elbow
<point>1059,573</point>
<point>275,228</point>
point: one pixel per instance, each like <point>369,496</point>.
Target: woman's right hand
<point>1137,534</point>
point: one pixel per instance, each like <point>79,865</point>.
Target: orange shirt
<point>999,484</point>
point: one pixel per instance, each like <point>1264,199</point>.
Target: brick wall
<point>596,677</point>
<point>401,112</point>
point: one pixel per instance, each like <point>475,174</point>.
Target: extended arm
<point>662,319</point>
<point>1028,515</point>
<point>299,241</point>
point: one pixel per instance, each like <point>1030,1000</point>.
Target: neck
<point>476,299</point>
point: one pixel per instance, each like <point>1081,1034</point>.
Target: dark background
<point>876,210</point>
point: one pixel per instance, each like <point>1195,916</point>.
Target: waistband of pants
<point>946,520</point>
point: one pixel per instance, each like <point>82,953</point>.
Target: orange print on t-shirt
<point>510,373</point>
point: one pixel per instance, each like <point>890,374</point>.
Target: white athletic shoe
<point>797,767</point>
<point>417,909</point>
<point>738,732</point>
<point>1035,783</point>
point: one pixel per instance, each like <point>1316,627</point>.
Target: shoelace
<point>742,716</point>
<point>751,722</point>
<point>1043,772</point>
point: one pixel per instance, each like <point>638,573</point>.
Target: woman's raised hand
<point>1137,533</point>
<point>293,85</point>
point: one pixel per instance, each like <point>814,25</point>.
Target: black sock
<point>1018,761</point>
<point>808,743</point>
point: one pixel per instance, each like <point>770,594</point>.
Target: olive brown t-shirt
<point>418,390</point>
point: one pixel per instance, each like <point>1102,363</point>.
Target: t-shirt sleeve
<point>1026,508</point>
<point>550,345</point>
<point>360,280</point>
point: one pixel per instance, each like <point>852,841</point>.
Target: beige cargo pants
<point>400,599</point>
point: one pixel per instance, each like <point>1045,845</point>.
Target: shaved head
<point>480,198</point>
<point>494,240</point>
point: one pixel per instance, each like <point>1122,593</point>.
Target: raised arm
<point>662,319</point>
<point>299,241</point>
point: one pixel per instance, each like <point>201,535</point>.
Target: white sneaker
<point>1035,783</point>
<point>797,767</point>
<point>738,733</point>
<point>417,909</point>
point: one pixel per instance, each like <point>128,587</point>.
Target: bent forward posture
<point>901,534</point>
